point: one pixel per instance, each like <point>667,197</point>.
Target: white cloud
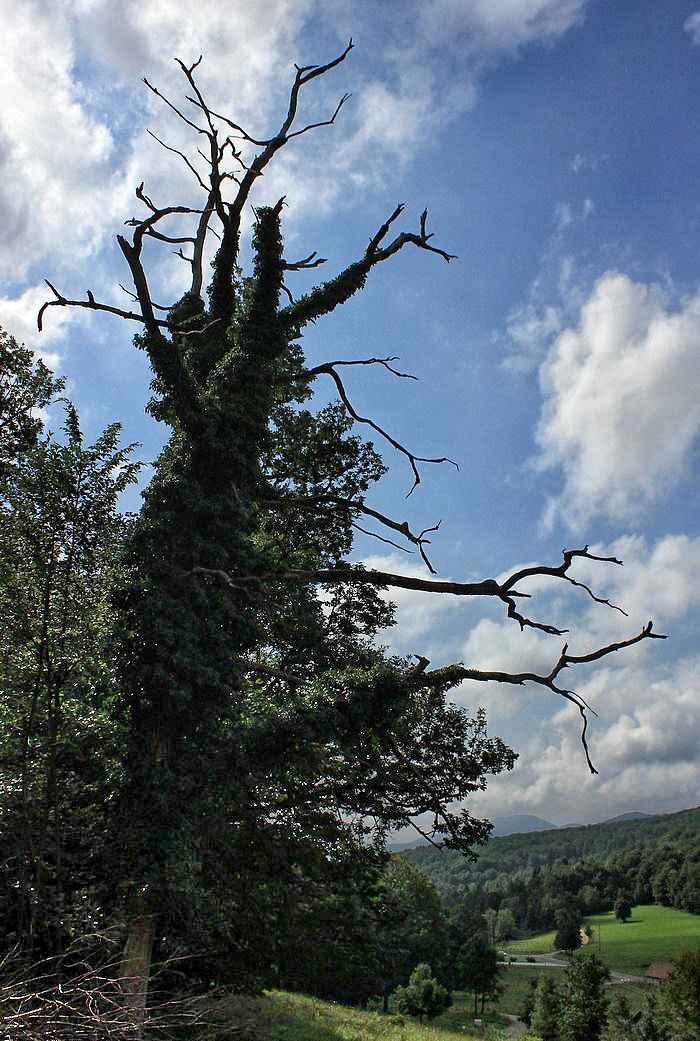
<point>419,616</point>
<point>72,139</point>
<point>661,581</point>
<point>692,27</point>
<point>532,325</point>
<point>621,414</point>
<point>488,29</point>
<point>644,745</point>
<point>58,178</point>
<point>18,317</point>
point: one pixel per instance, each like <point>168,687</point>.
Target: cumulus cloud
<point>18,316</point>
<point>621,416</point>
<point>553,297</point>
<point>419,616</point>
<point>73,144</point>
<point>692,27</point>
<point>490,29</point>
<point>644,745</point>
<point>57,159</point>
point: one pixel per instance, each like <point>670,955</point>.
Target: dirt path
<point>516,1027</point>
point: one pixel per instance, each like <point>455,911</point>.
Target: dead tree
<point>219,367</point>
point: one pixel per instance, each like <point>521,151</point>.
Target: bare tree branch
<point>176,151</point>
<point>91,304</point>
<point>158,307</point>
<point>357,505</point>
<point>504,590</point>
<point>221,299</point>
<point>412,458</point>
<point>381,538</point>
<point>329,295</point>
<point>324,122</point>
<point>313,260</point>
<point>385,362</point>
<point>456,673</point>
<point>183,117</point>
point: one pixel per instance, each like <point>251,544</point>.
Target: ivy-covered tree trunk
<point>190,598</point>
<point>260,714</point>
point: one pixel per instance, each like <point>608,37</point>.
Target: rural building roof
<point>659,970</point>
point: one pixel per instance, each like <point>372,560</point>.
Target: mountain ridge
<point>526,823</point>
<point>510,854</point>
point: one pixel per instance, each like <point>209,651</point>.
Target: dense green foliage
<point>61,731</point>
<point>656,859</point>
<point>422,995</point>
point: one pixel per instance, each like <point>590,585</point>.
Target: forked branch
<point>453,674</point>
<point>329,295</point>
<point>91,304</point>
<point>329,369</point>
<point>328,501</point>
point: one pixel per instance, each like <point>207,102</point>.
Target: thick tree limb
<point>488,587</point>
<point>326,297</point>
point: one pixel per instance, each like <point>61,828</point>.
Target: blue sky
<point>556,144</point>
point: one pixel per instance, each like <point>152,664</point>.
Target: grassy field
<point>281,1016</point>
<point>516,985</point>
<point>653,933</point>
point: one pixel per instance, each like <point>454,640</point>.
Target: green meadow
<point>516,981</point>
<point>653,933</point>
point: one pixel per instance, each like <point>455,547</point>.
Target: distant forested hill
<point>652,860</point>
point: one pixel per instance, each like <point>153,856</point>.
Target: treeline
<point>656,861</point>
<point>360,941</point>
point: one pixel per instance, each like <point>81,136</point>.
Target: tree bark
<point>135,967</point>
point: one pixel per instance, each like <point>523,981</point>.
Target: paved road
<point>548,960</point>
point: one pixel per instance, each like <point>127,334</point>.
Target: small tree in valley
<point>544,1017</point>
<point>583,1004</point>
<point>423,995</point>
<point>568,935</point>
<point>623,909</point>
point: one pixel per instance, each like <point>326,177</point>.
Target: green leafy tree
<point>546,1009</point>
<point>423,995</point>
<point>583,1004</point>
<point>257,703</point>
<point>680,996</point>
<point>27,385</point>
<point>478,970</point>
<point>505,925</point>
<point>568,935</point>
<point>413,928</point>
<point>60,737</point>
<point>623,909</point>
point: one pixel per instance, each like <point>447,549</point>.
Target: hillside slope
<point>507,855</point>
